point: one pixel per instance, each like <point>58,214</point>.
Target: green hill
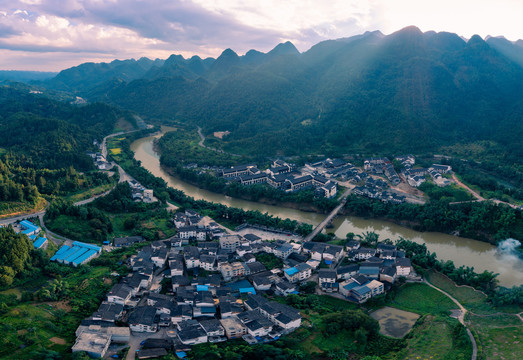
<point>371,93</point>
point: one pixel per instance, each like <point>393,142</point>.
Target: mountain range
<point>371,93</point>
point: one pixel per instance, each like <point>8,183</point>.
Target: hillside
<point>371,93</point>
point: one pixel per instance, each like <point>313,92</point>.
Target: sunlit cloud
<point>108,29</point>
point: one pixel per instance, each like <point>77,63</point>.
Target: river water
<point>461,251</point>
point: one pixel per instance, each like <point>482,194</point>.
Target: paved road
<point>461,319</point>
<point>13,219</point>
<point>329,217</point>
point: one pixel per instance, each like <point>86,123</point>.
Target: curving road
<point>478,196</point>
<point>58,239</point>
<point>202,139</point>
<point>461,319</point>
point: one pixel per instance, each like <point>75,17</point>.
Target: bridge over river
<point>329,217</point>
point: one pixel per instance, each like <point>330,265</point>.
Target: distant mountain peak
<point>228,53</point>
<point>410,30</point>
<point>286,48</point>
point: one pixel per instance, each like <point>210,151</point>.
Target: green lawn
<point>422,299</point>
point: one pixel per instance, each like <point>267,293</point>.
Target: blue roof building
<point>39,243</point>
<point>80,253</point>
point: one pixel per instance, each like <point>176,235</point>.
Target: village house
<point>298,273</point>
<point>234,328</point>
<point>142,319</point>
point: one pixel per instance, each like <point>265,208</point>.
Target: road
<point>329,217</point>
<point>475,194</point>
<point>104,142</point>
<point>461,319</point>
<point>202,139</point>
<point>58,239</point>
<point>478,196</point>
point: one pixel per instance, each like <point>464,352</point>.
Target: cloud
<point>157,28</point>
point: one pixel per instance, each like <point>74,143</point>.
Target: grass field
<point>499,336</point>
<point>471,299</point>
<point>31,327</point>
<point>432,339</point>
<point>422,299</point>
<point>89,193</point>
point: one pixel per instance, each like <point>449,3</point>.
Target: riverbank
<point>462,251</point>
<point>305,206</point>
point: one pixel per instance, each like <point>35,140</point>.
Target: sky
<point>51,35</point>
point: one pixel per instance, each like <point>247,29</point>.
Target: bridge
<point>329,217</point>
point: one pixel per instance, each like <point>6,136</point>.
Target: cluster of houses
<point>216,288</point>
<point>281,175</point>
<point>377,189</point>
<point>140,193</point>
<point>32,231</point>
<point>417,176</point>
<point>189,227</point>
<point>382,165</point>
<point>100,161</point>
<point>209,300</point>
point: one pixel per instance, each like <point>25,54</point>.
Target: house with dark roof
<point>119,294</point>
<point>326,276</point>
<point>347,271</point>
<point>192,335</point>
<point>212,327</point>
<point>142,319</point>
<point>284,288</point>
<point>128,241</point>
<point>388,274</point>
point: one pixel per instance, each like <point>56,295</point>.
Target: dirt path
<point>202,139</point>
<point>461,319</point>
<point>475,194</point>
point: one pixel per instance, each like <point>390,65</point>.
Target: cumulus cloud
<point>157,28</point>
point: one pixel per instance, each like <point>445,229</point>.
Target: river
<point>462,251</point>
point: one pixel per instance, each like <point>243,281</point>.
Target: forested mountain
<point>25,76</point>
<point>88,75</point>
<point>408,91</point>
<point>43,144</point>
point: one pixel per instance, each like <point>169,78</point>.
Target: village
<point>325,176</point>
<point>206,284</point>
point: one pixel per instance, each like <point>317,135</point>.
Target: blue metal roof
<point>79,260</point>
<point>248,290</point>
<point>68,253</point>
<point>202,288</point>
<point>361,290</point>
<point>60,251</point>
<point>351,286</point>
<point>73,256</point>
<point>291,271</point>
<point>88,246</point>
<point>39,243</point>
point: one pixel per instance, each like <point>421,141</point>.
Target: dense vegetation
<point>43,145</point>
<point>15,251</point>
<point>408,91</point>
